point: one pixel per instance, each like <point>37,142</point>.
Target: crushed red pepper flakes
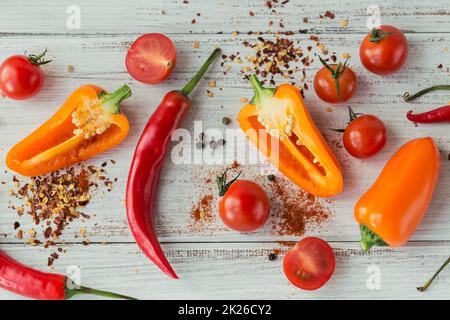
<point>329,14</point>
<point>53,201</point>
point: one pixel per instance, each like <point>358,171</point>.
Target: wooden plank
<point>242,270</point>
<point>174,16</point>
<point>99,59</point>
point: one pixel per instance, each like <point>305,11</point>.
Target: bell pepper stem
<point>369,239</point>
<point>194,81</point>
<point>427,284</point>
<point>260,91</point>
<point>111,101</point>
<point>410,97</point>
<point>86,290</point>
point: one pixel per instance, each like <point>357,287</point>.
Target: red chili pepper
<point>31,283</point>
<point>146,167</point>
<point>441,114</point>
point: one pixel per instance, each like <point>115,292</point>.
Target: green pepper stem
<point>111,101</point>
<point>259,90</point>
<point>369,239</point>
<point>194,81</point>
<point>427,284</point>
<point>85,290</point>
<point>408,97</point>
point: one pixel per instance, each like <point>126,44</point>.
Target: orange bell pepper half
<point>88,123</point>
<point>390,211</point>
<point>279,124</point>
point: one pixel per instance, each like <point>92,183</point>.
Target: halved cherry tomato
<point>21,77</point>
<point>335,83</point>
<point>364,136</point>
<point>151,58</point>
<point>244,206</point>
<point>384,50</point>
<point>310,264</point>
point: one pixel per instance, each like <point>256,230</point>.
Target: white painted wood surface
<point>97,52</point>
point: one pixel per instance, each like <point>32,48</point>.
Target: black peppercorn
<point>272,256</point>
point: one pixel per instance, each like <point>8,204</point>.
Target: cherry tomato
<point>326,87</point>
<point>244,206</point>
<point>21,77</point>
<point>151,58</point>
<point>364,136</point>
<point>384,50</point>
<point>310,264</point>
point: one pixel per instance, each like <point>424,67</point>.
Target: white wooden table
<point>216,262</point>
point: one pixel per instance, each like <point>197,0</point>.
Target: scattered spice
<point>196,44</point>
<point>346,55</point>
<point>70,68</point>
<point>270,177</point>
<point>210,93</point>
<point>272,256</point>
<point>344,23</point>
<point>293,208</point>
<point>203,209</point>
<point>55,200</point>
<point>226,121</point>
<point>244,100</point>
<point>212,83</point>
<point>329,14</point>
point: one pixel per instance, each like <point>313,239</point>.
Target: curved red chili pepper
<point>441,114</point>
<point>31,283</point>
<point>146,166</point>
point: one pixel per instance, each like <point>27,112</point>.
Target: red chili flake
<point>329,14</point>
<point>251,13</point>
<point>440,66</point>
<point>305,20</point>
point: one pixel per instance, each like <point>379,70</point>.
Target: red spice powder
<point>203,209</point>
<point>293,209</point>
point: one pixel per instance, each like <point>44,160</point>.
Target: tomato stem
<point>223,184</point>
<point>427,284</point>
<point>408,97</point>
<point>377,35</point>
<point>194,81</point>
<point>38,59</point>
<point>336,73</point>
<point>353,116</point>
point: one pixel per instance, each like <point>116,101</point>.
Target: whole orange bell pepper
<point>88,123</point>
<point>278,117</point>
<point>390,211</point>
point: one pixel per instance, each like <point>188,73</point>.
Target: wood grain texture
<point>100,60</point>
<point>175,17</point>
<point>208,252</point>
<point>242,270</point>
